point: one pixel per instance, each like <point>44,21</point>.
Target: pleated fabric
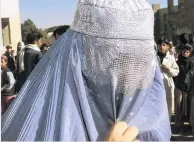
<point>57,103</point>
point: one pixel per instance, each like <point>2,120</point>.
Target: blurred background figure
<point>20,47</point>
<point>181,99</point>
<point>172,49</point>
<point>190,89</point>
<point>29,57</point>
<point>7,84</point>
<point>169,70</point>
<point>178,51</point>
<point>44,48</point>
<point>10,58</point>
<point>184,39</point>
<point>59,31</point>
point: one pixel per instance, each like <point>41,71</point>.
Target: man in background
<point>181,101</point>
<point>44,48</point>
<point>59,31</point>
<point>29,56</point>
<point>10,58</point>
<point>7,85</point>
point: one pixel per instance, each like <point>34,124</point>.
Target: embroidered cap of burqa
<point>102,70</point>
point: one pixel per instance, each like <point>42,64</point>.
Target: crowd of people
<point>177,66</point>
<point>16,68</point>
<point>53,86</point>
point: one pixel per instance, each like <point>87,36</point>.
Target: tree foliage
<point>27,27</point>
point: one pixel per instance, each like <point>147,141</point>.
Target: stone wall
<point>183,20</point>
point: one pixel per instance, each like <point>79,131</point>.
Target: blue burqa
<point>77,92</point>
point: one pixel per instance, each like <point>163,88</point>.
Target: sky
<point>48,13</point>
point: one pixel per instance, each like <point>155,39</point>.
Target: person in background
<point>184,39</point>
<point>7,84</point>
<point>29,56</point>
<point>19,76</point>
<point>190,89</point>
<point>169,70</point>
<point>178,52</point>
<point>191,40</point>
<point>180,91</point>
<point>172,49</point>
<point>20,46</point>
<point>13,53</point>
<point>59,31</point>
<point>44,48</point>
<point>10,58</point>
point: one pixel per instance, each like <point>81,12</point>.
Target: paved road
<point>185,135</point>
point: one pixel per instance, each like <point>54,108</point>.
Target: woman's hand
<point>122,133</point>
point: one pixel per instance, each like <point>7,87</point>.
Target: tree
<point>44,34</point>
<point>27,27</point>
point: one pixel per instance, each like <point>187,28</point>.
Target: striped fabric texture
<point>56,104</point>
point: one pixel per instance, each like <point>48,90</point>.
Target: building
<point>10,23</point>
<point>174,20</point>
<point>182,21</point>
<point>162,25</point>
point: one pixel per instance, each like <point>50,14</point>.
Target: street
<point>185,135</point>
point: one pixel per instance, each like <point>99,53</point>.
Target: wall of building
<point>12,32</point>
<point>1,41</point>
<point>163,18</point>
<point>161,21</point>
<point>183,20</point>
<point>15,30</point>
<point>156,8</point>
<point>180,1</point>
<point>9,8</point>
<point>175,20</point>
<point>6,31</point>
<point>170,5</point>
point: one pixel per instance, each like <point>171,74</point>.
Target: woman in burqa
<point>102,70</point>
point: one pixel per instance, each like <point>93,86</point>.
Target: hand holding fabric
<point>121,132</point>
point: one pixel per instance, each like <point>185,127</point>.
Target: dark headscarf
<point>184,38</point>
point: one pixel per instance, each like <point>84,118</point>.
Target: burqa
<point>102,70</point>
